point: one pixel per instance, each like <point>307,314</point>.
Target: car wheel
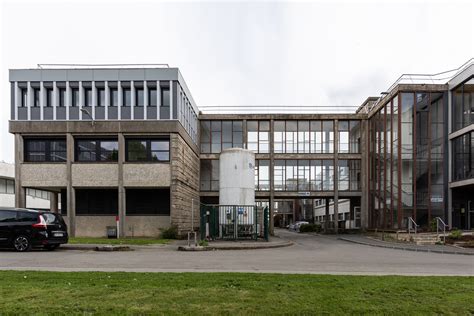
<point>51,247</point>
<point>22,243</point>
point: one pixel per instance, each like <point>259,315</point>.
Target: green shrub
<point>433,224</point>
<point>310,228</point>
<point>203,243</point>
<point>170,233</point>
<point>455,234</point>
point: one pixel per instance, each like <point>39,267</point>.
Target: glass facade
<point>303,137</point>
<point>45,150</point>
<point>303,175</point>
<point>463,105</point>
<point>258,136</point>
<point>406,174</point>
<point>96,150</point>
<point>151,150</point>
<point>219,135</point>
<point>463,157</point>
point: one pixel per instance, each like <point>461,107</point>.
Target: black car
<point>23,229</point>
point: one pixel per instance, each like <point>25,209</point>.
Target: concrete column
<point>55,98</point>
<point>336,175</point>
<point>53,202</point>
<point>20,192</point>
<point>68,99</point>
<point>17,103</point>
<point>42,99</point>
<point>272,193</point>
<point>107,100</point>
<point>158,99</point>
<point>364,170</point>
<point>71,196</point>
<point>81,99</point>
<point>94,99</point>
<point>120,100</point>
<point>326,221</point>
<point>29,99</point>
<point>121,190</point>
<point>132,99</point>
<point>145,100</point>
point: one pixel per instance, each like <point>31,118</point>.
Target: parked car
<point>296,225</point>
<point>23,229</point>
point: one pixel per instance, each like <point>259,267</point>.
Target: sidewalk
<point>274,242</point>
<point>446,249</point>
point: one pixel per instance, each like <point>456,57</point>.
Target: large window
<point>165,103</point>
<point>219,135</point>
<point>100,86</point>
<point>87,94</point>
<point>262,175</point>
<point>139,94</point>
<point>36,97</point>
<point>258,136</point>
<point>7,186</point>
<point>148,202</point>
<point>75,97</point>
<point>303,175</point>
<point>209,175</point>
<point>126,94</point>
<point>463,153</point>
<point>349,136</point>
<point>152,94</point>
<point>349,175</point>
<point>156,150</point>
<point>303,137</point>
<point>463,105</point>
<point>113,94</point>
<point>96,150</point>
<point>62,97</point>
<point>45,150</point>
<point>24,97</point>
<point>49,97</point>
<point>96,201</point>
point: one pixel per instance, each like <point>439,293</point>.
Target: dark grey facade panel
<point>22,114</point>
<point>73,113</point>
<point>99,113</point>
<point>125,112</point>
<point>48,113</point>
<point>35,113</point>
<point>93,74</point>
<point>60,113</point>
<point>175,99</point>
<point>151,113</point>
<point>12,98</point>
<point>164,113</point>
<point>138,113</point>
<point>112,113</point>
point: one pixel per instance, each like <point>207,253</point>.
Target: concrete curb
<point>391,246</point>
<point>238,247</point>
<point>96,246</point>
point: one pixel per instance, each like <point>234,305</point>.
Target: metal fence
<point>234,222</point>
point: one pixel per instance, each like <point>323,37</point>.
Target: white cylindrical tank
<point>237,177</point>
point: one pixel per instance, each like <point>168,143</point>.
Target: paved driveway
<point>310,254</point>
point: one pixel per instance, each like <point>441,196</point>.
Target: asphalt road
<point>309,254</point>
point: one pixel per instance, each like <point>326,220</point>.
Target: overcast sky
<point>243,53</point>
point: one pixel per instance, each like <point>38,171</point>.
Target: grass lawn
<point>121,241</point>
<point>230,293</point>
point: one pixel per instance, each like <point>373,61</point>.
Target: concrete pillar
<point>326,221</point>
<point>336,176</point>
<point>107,100</point>
<point>272,204</point>
<point>132,100</point>
<point>145,100</point>
<point>53,202</point>
<point>70,191</point>
<point>364,170</point>
<point>20,192</point>
<point>121,190</point>
<point>158,100</point>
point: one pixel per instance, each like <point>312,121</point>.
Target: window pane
<point>152,99</point>
<point>140,97</point>
<point>127,97</point>
<point>161,145</point>
<point>113,97</point>
<point>100,97</point>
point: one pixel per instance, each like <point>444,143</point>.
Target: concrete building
<point>131,143</point>
<point>38,199</point>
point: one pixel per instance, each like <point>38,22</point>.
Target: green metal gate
<point>234,222</point>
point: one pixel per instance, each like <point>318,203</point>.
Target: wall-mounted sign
<point>436,199</point>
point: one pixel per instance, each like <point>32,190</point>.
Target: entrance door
<point>470,215</point>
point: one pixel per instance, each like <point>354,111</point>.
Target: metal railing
<point>412,225</point>
<point>444,225</point>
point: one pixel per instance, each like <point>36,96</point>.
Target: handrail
<point>411,222</point>
<point>438,220</point>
